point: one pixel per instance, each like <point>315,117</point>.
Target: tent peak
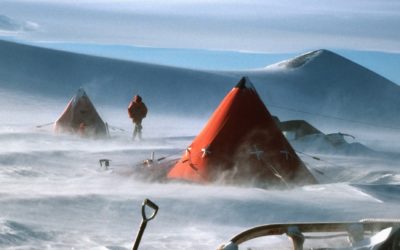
<point>79,94</point>
<point>244,83</point>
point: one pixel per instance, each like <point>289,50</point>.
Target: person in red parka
<point>137,110</point>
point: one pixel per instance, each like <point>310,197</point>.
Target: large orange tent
<point>80,116</point>
<point>241,144</point>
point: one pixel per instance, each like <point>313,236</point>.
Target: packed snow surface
<point>55,195</point>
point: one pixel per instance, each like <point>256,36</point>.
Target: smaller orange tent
<point>80,116</point>
<point>242,144</point>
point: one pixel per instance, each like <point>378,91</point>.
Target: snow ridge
<point>301,60</point>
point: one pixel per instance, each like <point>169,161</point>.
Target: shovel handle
<point>152,205</point>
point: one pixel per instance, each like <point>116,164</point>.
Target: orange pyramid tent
<point>241,144</point>
<point>80,116</point>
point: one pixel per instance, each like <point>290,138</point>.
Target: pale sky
<point>255,25</point>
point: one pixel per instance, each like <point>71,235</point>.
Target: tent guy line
<point>45,125</point>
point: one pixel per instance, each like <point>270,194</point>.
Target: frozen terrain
<point>54,195</point>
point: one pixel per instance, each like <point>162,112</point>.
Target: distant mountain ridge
<point>326,83</point>
<point>298,61</point>
<point>319,82</point>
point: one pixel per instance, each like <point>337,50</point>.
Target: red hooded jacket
<point>137,110</point>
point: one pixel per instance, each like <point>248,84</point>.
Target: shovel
<point>145,219</point>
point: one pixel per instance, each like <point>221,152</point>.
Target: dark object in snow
<point>298,128</point>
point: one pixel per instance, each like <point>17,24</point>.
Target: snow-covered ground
<point>54,194</point>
